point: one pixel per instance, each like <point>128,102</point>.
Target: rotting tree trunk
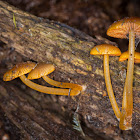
<point>33,115</point>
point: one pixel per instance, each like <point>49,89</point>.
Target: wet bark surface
<point>27,114</point>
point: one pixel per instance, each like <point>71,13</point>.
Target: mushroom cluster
<point>41,70</point>
<point>125,28</point>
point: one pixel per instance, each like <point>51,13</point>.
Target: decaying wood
<point>37,116</point>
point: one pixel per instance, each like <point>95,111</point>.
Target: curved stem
<point>48,90</point>
<point>109,87</point>
<point>61,84</point>
<point>127,103</point>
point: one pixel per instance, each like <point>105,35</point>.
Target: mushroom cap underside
<point>121,28</point>
<point>137,61</point>
<point>40,70</point>
<point>105,49</point>
<point>19,70</point>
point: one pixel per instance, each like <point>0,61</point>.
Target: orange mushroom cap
<point>40,70</point>
<point>125,56</point>
<point>18,70</point>
<point>105,49</point>
<point>120,29</point>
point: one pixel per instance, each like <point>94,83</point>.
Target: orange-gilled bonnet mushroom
<point>108,50</point>
<point>43,69</point>
<point>23,68</point>
<point>121,29</point>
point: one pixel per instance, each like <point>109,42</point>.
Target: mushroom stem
<point>48,90</point>
<point>130,70</point>
<point>61,84</point>
<point>109,87</point>
<point>122,120</point>
<point>124,102</point>
<point>127,104</point>
<point>123,112</point>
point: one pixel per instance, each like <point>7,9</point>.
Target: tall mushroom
<point>43,69</point>
<point>121,29</point>
<point>23,68</point>
<point>108,50</point>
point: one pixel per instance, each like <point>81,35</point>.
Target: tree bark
<point>33,115</point>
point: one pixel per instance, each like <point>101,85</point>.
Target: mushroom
<point>43,69</point>
<point>123,57</point>
<point>121,29</point>
<point>108,50</point>
<point>18,70</point>
<point>23,68</point>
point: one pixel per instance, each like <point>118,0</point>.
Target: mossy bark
<point>39,116</point>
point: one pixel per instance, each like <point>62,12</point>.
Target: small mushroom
<point>43,69</point>
<point>125,55</point>
<point>121,29</point>
<point>108,50</point>
<point>23,68</point>
<point>18,70</point>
